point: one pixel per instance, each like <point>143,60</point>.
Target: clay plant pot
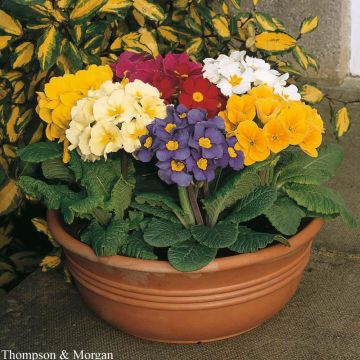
<point>151,300</point>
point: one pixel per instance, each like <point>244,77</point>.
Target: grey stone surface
<point>321,322</point>
<point>330,43</point>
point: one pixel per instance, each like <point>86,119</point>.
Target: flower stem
<point>195,205</point>
<point>124,164</point>
<point>206,189</point>
<point>185,205</point>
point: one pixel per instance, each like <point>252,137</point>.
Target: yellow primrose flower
<point>278,137</point>
<point>295,120</point>
<point>268,108</point>
<point>238,109</point>
<point>61,94</point>
<point>313,137</point>
<point>252,142</point>
<point>262,91</point>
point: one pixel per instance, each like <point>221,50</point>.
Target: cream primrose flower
<point>97,120</point>
<point>290,92</point>
<point>117,107</point>
<point>105,138</point>
<point>131,133</point>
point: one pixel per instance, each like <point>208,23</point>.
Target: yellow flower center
<point>177,165</point>
<point>150,111</point>
<point>198,96</point>
<point>148,142</point>
<point>116,111</point>
<point>138,95</point>
<point>275,138</point>
<point>107,138</point>
<point>235,80</point>
<point>205,142</point>
<point>138,133</point>
<point>232,152</point>
<point>202,164</point>
<point>182,116</point>
<point>172,145</point>
<point>169,127</point>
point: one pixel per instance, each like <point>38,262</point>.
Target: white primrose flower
<point>105,138</point>
<point>212,69</point>
<point>290,92</point>
<point>235,81</point>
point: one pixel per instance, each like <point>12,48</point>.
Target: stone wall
<point>330,43</point>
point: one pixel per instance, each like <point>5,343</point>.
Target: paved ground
<point>321,322</point>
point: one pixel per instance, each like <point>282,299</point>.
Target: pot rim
<point>162,266</point>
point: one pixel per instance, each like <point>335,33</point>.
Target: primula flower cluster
<point>61,94</point>
<point>235,74</point>
<point>189,146</point>
<point>113,117</point>
<point>175,76</point>
<point>263,122</point>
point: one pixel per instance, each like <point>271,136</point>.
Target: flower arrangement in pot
<point>186,194</point>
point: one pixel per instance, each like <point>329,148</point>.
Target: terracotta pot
<point>152,300</point>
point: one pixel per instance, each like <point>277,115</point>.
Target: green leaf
<point>155,211</point>
<point>136,247</point>
<point>321,200</point>
<point>311,94</point>
<point>231,192</point>
<point>307,170</point>
<point>75,165</point>
<point>190,256</point>
<point>41,151</point>
<point>161,233</point>
<point>85,9</point>
<point>150,10</point>
<point>72,53</point>
<point>54,169</point>
<point>253,204</point>
<point>108,241</point>
<point>300,56</point>
<point>314,198</point>
<point>221,26</point>
<point>250,241</point>
<point>57,197</point>
<point>29,2</point>
<point>342,122</point>
<point>220,236</point>
<point>163,201</point>
<point>121,195</point>
<point>265,21</point>
<point>9,24</point>
<point>285,215</point>
<point>309,24</point>
<point>135,219</point>
<point>48,47</point>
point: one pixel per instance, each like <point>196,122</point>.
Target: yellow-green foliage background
<point>42,38</point>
